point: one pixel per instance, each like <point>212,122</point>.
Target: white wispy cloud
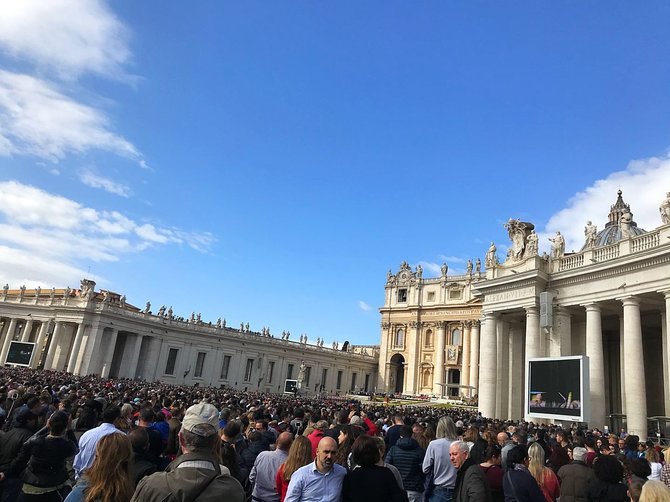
<point>42,235</point>
<point>36,119</point>
<point>67,37</point>
<point>42,112</point>
<point>364,306</point>
<point>94,180</point>
<point>644,184</point>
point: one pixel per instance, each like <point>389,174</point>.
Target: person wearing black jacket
<point>43,458</point>
<point>471,483</point>
<point>407,456</point>
<point>25,426</point>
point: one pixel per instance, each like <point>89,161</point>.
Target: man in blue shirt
<point>320,481</point>
<point>87,443</point>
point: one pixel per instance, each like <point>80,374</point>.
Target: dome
<point>612,232</point>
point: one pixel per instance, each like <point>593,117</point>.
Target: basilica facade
<point>610,301</point>
<point>84,331</point>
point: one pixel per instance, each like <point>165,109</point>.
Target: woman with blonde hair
<point>109,478</point>
<point>299,454</point>
<point>654,491</point>
<point>654,460</point>
<point>544,476</point>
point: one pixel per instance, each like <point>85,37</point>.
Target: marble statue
<point>38,292</point>
<point>478,266</point>
<point>147,308</point>
<point>52,293</point>
<point>419,271</point>
<point>218,322</point>
<point>161,311</point>
<point>5,288</point>
<point>590,232</point>
<point>557,246</point>
<point>241,327</point>
<point>22,291</point>
<point>468,270</point>
<point>192,318</point>
<point>444,268</point>
<point>301,373</point>
<point>625,221</point>
<point>198,318</point>
<point>246,327</point>
<point>224,322</point>
<point>491,260</point>
<point>531,244</point>
<point>169,312</point>
<point>665,209</point>
<point>122,301</point>
<point>67,293</point>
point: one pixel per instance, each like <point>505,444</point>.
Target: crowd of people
<point>65,437</point>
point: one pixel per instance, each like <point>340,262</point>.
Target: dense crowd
<point>65,437</point>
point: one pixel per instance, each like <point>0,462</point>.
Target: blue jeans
<point>441,495</point>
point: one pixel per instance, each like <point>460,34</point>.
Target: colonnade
<point>563,339</point>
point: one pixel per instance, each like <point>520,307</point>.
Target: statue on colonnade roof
<point>518,232</point>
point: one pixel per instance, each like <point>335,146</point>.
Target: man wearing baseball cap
<point>196,475</point>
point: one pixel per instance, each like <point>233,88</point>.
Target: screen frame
<point>32,353</point>
<point>584,390</point>
<point>286,384</point>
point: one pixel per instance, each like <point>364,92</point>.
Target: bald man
<point>319,481</point>
<point>262,475</point>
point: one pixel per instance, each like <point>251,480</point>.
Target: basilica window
<point>427,381</point>
<point>271,370</point>
<point>199,364</point>
<point>339,380</point>
<point>456,337</point>
<point>171,361</point>
<point>428,339</point>
<point>289,371</point>
<point>431,296</point>
<point>225,367</point>
<point>353,381</point>
<point>248,370</point>
<point>399,338</point>
<point>455,294</point>
<point>402,295</point>
<point>308,373</point>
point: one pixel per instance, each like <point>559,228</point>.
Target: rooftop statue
<point>531,244</point>
<point>491,260</point>
<point>444,268</point>
<point>625,221</point>
<point>590,232</point>
<point>665,209</point>
<point>557,246</point>
<point>518,232</point>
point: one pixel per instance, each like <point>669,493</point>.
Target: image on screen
<point>555,387</point>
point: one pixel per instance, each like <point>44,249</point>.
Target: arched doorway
<point>397,373</point>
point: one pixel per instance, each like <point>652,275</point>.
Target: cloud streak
<point>93,180</point>
<point>66,37</point>
<point>364,306</point>
<point>52,230</point>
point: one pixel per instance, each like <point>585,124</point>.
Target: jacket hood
<point>407,444</point>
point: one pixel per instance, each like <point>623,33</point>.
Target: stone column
<point>474,357</point>
<point>438,380</point>
<point>665,323</point>
<point>622,364</point>
<point>488,363</point>
<point>25,334</point>
<point>516,373</point>
<point>106,366</point>
<point>594,351</point>
<point>412,368</point>
<point>41,337</point>
<point>532,340</point>
<point>53,345</point>
<point>76,344</point>
<point>636,396</point>
<point>532,333</point>
<point>465,371</point>
<point>8,340</point>
<point>563,331</point>
<point>502,379</point>
<point>133,353</point>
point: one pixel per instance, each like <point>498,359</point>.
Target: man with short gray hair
<point>471,483</point>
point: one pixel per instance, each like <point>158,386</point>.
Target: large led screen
<point>20,353</point>
<point>557,388</point>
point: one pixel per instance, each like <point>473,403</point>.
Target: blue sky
<point>268,162</point>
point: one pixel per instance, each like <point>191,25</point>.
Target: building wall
<point>88,332</point>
